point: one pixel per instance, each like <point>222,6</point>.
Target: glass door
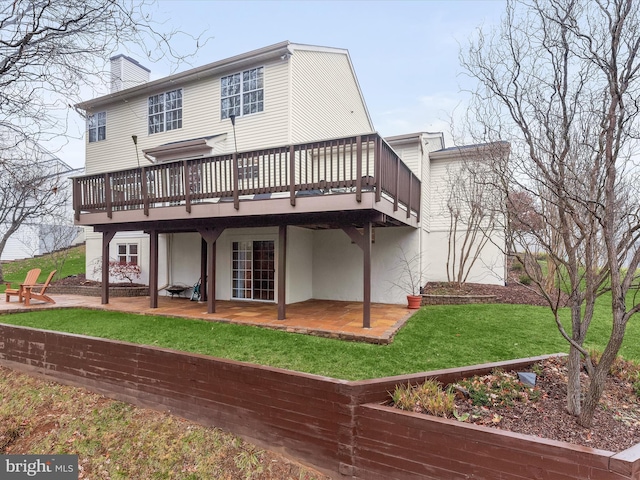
<point>253,270</point>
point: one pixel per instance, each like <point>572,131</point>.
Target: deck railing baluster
<point>362,163</point>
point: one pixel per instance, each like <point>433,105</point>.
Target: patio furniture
<point>31,278</point>
<point>36,291</point>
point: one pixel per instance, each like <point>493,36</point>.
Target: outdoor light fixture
<point>232,117</point>
<point>135,142</point>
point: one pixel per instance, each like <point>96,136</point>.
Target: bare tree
<point>52,234</point>
<point>51,51</point>
<point>32,188</point>
<point>560,81</point>
<point>472,208</point>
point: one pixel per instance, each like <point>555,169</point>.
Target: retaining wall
<point>339,427</point>
<point>428,299</point>
<point>96,291</point>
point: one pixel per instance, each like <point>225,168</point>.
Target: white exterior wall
<point>490,266</point>
<point>441,170</point>
<point>94,254</point>
<point>338,265</point>
<point>200,118</point>
<point>299,264</point>
<point>325,98</point>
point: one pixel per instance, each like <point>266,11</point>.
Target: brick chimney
<point>127,73</point>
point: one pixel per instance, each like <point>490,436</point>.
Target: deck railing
<point>345,165</point>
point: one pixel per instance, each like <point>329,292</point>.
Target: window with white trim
<point>97,126</point>
<point>128,253</point>
<point>242,93</point>
<point>165,111</point>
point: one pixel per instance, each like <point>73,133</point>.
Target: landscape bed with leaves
<point>500,400</point>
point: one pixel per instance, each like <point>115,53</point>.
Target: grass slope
<point>74,263</point>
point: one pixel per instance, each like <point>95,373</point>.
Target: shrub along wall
<point>339,427</point>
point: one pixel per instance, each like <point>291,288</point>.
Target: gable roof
<point>219,67</point>
<point>501,147</point>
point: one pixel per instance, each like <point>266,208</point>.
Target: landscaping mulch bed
<point>513,292</point>
<point>616,423</point>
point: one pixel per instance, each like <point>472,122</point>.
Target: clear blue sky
<point>405,53</point>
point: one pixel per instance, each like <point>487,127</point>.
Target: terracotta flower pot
<point>414,301</point>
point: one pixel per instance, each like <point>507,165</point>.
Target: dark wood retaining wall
<point>336,426</point>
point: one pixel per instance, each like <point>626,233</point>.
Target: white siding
<point>200,118</point>
<point>126,74</point>
<point>439,178</point>
<point>325,99</point>
<point>410,156</point>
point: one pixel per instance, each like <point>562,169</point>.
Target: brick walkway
<point>325,318</point>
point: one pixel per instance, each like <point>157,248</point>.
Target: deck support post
<point>366,249</point>
<point>282,271</point>
<point>107,236</point>
<point>153,269</point>
<point>203,270</point>
<point>364,242</point>
<point>210,235</point>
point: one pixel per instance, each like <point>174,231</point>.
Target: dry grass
<point>115,440</point>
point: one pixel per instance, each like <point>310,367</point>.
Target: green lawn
<point>436,337</point>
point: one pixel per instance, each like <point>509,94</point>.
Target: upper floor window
<point>97,126</point>
<point>165,111</point>
<point>242,93</point>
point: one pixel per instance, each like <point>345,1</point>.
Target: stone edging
<point>428,299</point>
<point>96,290</point>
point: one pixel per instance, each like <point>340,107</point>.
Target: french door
<point>253,270</point>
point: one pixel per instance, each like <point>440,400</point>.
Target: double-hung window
<point>242,93</point>
<point>165,111</point>
<point>97,126</point>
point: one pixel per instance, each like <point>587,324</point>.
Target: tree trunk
<point>592,398</point>
<point>573,382</point>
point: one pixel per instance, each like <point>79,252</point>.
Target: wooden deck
<point>326,318</point>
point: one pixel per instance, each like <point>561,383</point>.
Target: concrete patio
<point>326,318</point>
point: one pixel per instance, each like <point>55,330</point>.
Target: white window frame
<point>97,127</point>
<point>242,93</point>
<point>247,288</point>
<point>164,111</point>
<point>128,256</point>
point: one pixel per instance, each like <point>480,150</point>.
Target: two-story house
<point>263,174</point>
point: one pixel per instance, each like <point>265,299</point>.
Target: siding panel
<point>325,99</point>
<point>201,117</point>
